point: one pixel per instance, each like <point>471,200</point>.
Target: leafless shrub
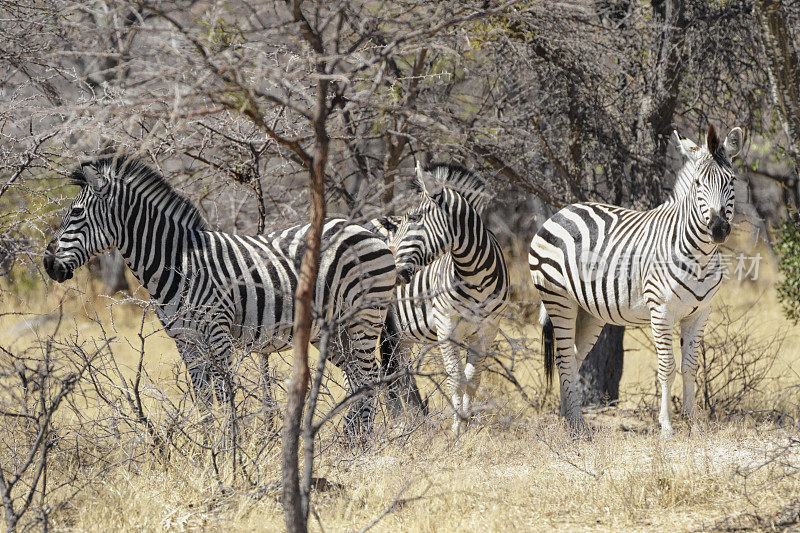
<point>734,368</point>
<point>737,374</point>
<point>34,384</point>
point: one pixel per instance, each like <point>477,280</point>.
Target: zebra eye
<point>414,217</point>
<point>76,212</point>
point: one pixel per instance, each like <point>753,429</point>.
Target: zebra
<point>455,282</point>
<point>456,178</point>
<point>595,264</point>
<point>216,292</point>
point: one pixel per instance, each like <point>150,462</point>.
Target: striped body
<point>616,263</point>
<point>248,282</point>
<point>459,291</point>
<point>595,264</point>
<point>217,292</point>
<point>440,294</point>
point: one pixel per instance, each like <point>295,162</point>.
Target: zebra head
<point>434,227</point>
<point>712,186</point>
<point>86,229</point>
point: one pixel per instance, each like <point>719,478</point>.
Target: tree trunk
<point>657,107</point>
<point>783,67</point>
<point>295,503</point>
<point>602,368</point>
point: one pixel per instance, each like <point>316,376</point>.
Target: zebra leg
<point>587,329</point>
<point>396,354</point>
<point>476,359</point>
<point>221,374</point>
<point>564,317</point>
<point>268,405</point>
<point>360,367</point>
<point>455,381</point>
<point>391,349</point>
<point>661,325</point>
<point>199,368</point>
<point>691,332</point>
<point>404,389</point>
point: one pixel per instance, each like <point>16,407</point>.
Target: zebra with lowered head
<point>455,282</point>
<point>595,264</point>
<point>217,292</point>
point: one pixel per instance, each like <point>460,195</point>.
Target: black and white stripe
<point>458,280</point>
<point>217,292</point>
<point>595,264</point>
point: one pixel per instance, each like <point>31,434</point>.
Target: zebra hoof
<point>667,433</point>
<point>460,425</point>
<point>580,432</point>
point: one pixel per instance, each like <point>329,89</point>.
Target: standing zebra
<point>215,292</point>
<point>595,264</point>
<point>459,286</point>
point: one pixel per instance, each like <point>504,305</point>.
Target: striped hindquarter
<point>594,264</point>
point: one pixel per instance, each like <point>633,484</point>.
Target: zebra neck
<point>475,256</point>
<point>154,248</point>
<point>693,241</point>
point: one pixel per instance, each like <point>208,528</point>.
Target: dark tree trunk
<point>658,103</point>
<point>783,67</point>
<point>602,368</point>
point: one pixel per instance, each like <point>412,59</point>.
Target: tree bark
<point>657,108</point>
<point>602,368</point>
<point>783,68</point>
<point>295,503</point>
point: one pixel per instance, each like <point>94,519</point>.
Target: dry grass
<point>515,469</point>
<point>525,476</point>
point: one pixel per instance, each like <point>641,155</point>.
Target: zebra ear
<point>712,140</point>
<point>95,180</point>
<point>686,146</point>
<point>427,182</point>
<point>734,142</point>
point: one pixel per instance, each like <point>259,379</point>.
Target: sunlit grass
<point>515,469</point>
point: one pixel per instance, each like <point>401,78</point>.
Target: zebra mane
<point>465,182</point>
<point>141,177</point>
<point>683,183</point>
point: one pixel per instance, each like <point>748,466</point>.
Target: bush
<point>787,247</point>
<point>734,369</point>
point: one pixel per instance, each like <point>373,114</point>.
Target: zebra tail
<point>390,336</point>
<point>548,346</point>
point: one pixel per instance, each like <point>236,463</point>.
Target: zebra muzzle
<point>56,269</point>
<point>719,227</point>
